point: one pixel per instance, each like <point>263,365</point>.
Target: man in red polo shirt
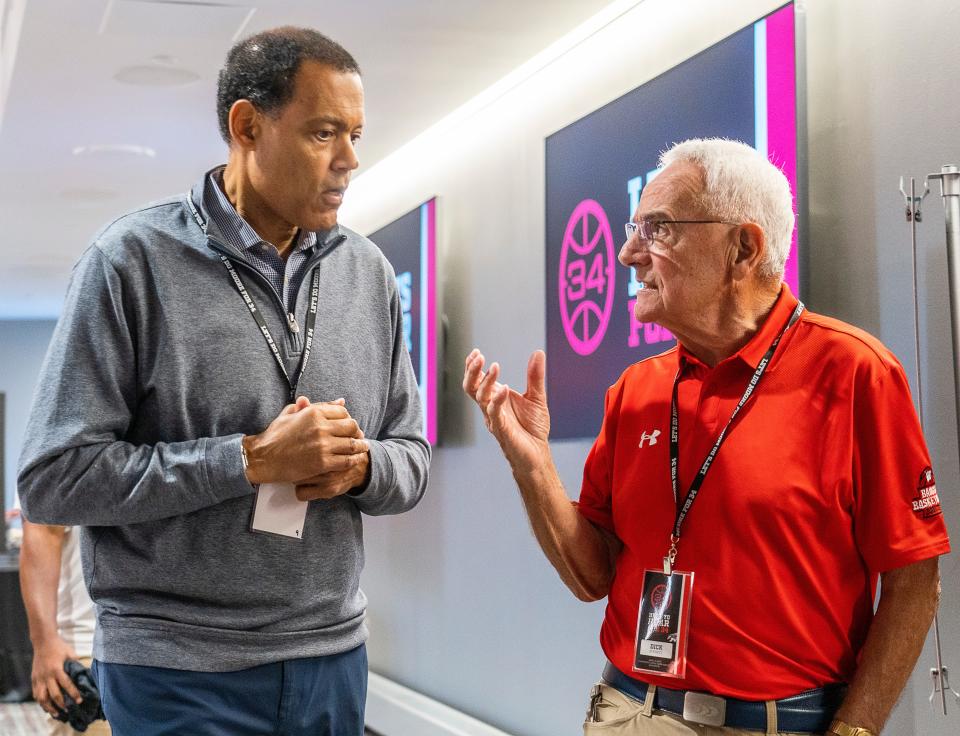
<point>747,488</point>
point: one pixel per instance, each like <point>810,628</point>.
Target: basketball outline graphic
<point>660,598</point>
<point>585,307</point>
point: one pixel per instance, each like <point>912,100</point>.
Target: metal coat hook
<point>941,684</point>
<point>914,202</point>
<point>914,214</point>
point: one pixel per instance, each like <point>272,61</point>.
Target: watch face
<point>843,729</point>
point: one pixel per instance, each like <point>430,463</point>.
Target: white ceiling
<point>421,59</point>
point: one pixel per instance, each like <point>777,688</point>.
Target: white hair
<point>741,185</point>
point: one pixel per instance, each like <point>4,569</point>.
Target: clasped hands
<point>318,447</point>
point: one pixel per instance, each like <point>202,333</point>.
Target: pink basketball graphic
<point>587,277</point>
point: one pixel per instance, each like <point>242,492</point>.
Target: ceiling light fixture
<point>88,195</point>
<point>593,25</point>
<point>113,149</point>
<point>158,74</point>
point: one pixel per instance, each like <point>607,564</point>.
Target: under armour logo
<point>650,438</point>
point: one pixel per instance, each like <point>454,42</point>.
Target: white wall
<point>463,605</point>
<point>884,103</point>
<point>23,343</point>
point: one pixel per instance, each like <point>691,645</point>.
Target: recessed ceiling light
<point>88,195</point>
<point>114,149</point>
<point>158,75</point>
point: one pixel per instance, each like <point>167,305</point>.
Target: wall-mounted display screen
<point>409,243</point>
<point>744,88</point>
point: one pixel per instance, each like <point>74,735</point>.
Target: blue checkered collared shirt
<point>285,276</point>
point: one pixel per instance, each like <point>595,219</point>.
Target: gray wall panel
<point>23,343</point>
<point>884,101</point>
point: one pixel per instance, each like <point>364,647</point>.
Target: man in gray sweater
<point>227,390</point>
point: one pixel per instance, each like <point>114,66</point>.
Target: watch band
<point>243,456</point>
<point>840,728</point>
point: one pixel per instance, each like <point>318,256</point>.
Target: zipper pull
<point>292,323</point>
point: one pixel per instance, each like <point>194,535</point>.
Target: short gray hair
<point>741,185</point>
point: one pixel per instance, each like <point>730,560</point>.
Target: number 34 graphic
<point>587,277</point>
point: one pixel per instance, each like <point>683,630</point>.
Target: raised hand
<point>582,554</point>
<point>520,422</point>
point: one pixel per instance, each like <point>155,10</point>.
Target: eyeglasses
<point>651,230</point>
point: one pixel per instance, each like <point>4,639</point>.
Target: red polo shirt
<point>823,483</point>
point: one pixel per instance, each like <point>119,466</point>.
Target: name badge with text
<point>276,510</point>
<point>662,623</point>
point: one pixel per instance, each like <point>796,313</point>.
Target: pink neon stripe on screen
<point>432,322</point>
<point>782,114</point>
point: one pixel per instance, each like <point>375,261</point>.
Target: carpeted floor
<point>27,719</point>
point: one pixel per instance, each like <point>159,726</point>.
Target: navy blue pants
<point>319,696</point>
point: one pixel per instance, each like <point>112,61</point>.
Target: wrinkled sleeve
<point>897,515</point>
<point>75,467</point>
<point>400,453</point>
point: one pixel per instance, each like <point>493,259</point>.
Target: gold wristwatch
<point>845,729</point>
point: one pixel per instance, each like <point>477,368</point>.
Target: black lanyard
<point>261,323</point>
<point>711,456</point>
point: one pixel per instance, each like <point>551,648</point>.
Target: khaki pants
<point>97,728</point>
<point>621,715</point>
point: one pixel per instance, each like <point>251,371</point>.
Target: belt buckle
<point>703,708</point>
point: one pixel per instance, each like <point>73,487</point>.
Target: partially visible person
<point>787,497</point>
<point>60,615</point>
<point>227,393</point>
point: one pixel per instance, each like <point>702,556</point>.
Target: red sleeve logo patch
<point>926,504</point>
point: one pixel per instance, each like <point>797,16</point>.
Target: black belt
<point>808,712</point>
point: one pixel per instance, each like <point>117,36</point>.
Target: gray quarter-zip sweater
<point>155,371</point>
